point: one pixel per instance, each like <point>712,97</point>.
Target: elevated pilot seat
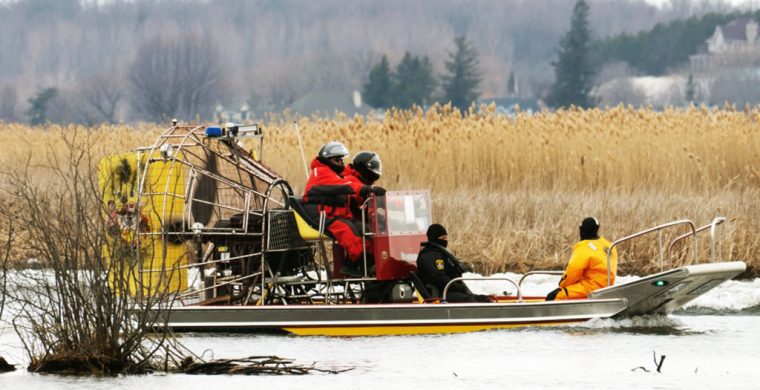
<point>308,229</point>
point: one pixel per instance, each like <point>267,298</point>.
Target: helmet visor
<point>375,166</point>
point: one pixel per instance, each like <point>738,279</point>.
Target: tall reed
<point>512,190</point>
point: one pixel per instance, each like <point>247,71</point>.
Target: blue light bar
<point>214,131</point>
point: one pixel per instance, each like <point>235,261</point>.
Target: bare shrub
<point>6,253</point>
<point>97,99</point>
<point>180,77</point>
<point>76,314</point>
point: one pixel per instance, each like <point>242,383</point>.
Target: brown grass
<point>512,191</point>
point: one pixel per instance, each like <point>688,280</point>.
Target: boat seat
<point>422,290</point>
<point>308,229</point>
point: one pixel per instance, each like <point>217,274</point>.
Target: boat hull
<point>387,319</point>
<point>660,293</point>
<point>668,291</point>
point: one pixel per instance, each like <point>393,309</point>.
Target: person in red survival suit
<point>365,168</point>
<point>327,190</point>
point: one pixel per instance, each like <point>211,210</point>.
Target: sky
<point>742,3</point>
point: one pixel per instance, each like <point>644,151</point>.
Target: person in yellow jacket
<point>587,269</point>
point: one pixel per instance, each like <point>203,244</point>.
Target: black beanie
<point>589,229</point>
<point>434,231</point>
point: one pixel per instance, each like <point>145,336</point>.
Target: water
<point>720,349</point>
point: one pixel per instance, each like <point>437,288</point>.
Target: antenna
<point>300,146</point>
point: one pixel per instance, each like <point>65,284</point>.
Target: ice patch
<point>730,295</point>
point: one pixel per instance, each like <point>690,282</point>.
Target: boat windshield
<point>404,213</point>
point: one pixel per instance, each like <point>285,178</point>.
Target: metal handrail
<point>712,225</point>
<point>519,284</point>
<point>643,232</point>
<point>461,278</point>
<point>363,210</point>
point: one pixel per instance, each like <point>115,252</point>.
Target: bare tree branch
<point>180,77</point>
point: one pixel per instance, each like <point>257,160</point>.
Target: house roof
<point>736,30</point>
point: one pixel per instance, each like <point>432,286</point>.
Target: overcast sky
<point>753,3</point>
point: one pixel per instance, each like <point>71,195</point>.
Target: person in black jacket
<point>436,266</point>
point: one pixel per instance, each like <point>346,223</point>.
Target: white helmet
<point>333,149</point>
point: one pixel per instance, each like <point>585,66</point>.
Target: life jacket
<point>330,191</point>
<point>587,269</point>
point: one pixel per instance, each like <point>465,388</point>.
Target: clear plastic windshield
<point>404,212</point>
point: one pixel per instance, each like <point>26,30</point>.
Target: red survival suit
<point>356,200</point>
<point>332,193</point>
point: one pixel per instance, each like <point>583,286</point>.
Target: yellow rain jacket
<point>587,269</point>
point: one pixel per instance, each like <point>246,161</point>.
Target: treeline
<point>664,47</point>
<point>414,82</point>
<point>270,53</point>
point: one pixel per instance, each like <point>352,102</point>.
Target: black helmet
<point>368,165</point>
<point>333,149</point>
<point>589,229</point>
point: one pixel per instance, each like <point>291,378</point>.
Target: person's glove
<point>366,190</point>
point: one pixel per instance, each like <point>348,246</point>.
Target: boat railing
<point>519,284</point>
<point>715,236</point>
<point>365,233</point>
<point>462,278</point>
<point>659,230</point>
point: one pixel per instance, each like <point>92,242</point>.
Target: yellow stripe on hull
<point>387,330</point>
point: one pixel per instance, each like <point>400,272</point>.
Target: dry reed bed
<point>512,191</point>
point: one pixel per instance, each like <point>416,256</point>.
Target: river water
<point>713,343</point>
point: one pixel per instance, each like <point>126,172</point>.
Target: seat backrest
<point>420,286</point>
<point>307,228</point>
<point>296,203</point>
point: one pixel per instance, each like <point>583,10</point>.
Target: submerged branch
<point>252,365</point>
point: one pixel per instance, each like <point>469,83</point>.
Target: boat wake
<point>647,324</point>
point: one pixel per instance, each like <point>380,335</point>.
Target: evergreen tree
<point>377,90</point>
<point>691,89</point>
<point>573,68</point>
<point>413,81</point>
<point>667,45</point>
<point>511,86</point>
<point>39,104</point>
<point>460,85</point>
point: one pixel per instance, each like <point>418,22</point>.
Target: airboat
<point>229,244</point>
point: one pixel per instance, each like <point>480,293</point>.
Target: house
<point>243,115</point>
<point>733,45</point>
